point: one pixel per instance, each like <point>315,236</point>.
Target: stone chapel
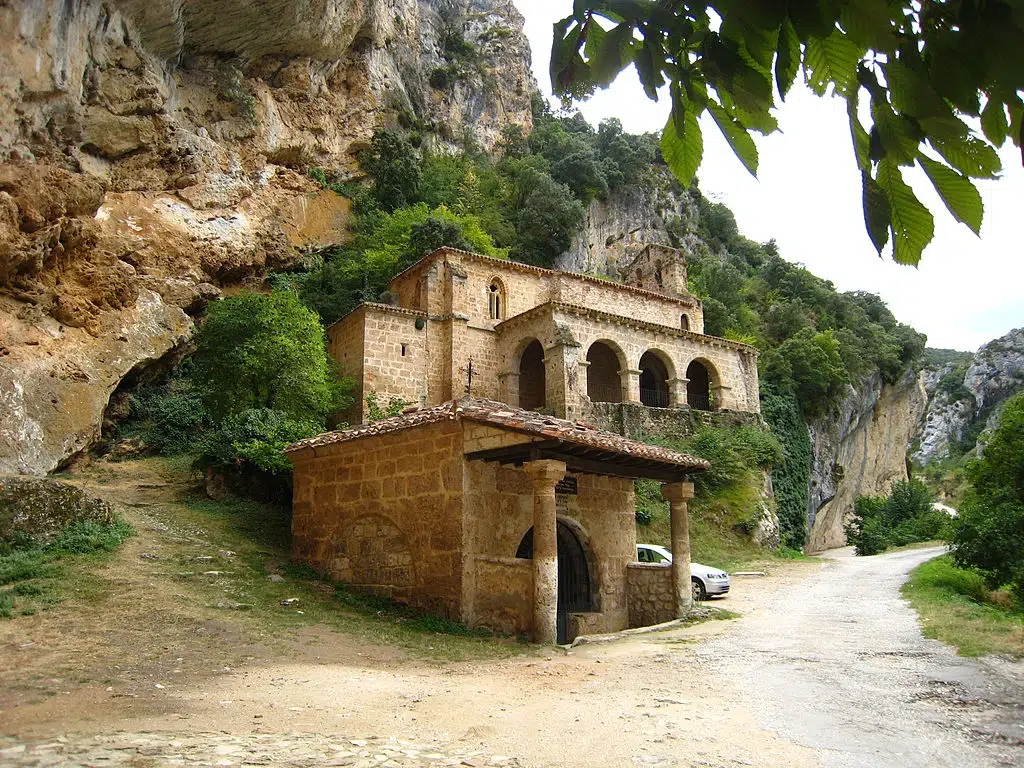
<point>544,340</point>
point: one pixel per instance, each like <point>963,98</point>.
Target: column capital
<point>544,472</point>
<point>676,492</point>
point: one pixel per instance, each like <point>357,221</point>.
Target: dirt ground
<point>148,676</point>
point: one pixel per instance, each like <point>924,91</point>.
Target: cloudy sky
<point>807,196</point>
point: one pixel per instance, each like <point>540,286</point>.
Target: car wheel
<point>699,593</point>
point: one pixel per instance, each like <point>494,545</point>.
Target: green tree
<point>816,368</point>
<point>546,215</point>
<point>916,70</point>
<point>264,351</point>
<point>988,533</point>
<point>431,235</point>
<point>394,168</point>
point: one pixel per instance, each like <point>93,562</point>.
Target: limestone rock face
<point>153,152</point>
<point>860,452</point>
<point>612,229</point>
<point>958,400</point>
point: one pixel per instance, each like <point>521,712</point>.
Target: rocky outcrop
<point>964,400</point>
<point>154,152</point>
<point>861,451</point>
<point>40,508</point>
<point>658,212</point>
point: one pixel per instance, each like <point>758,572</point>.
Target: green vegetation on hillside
<point>903,517</point>
<point>37,573</point>
<point>727,507</point>
<point>988,534</point>
<point>957,607</point>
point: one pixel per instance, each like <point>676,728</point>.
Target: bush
<point>988,534</point>
<point>256,437</point>
<point>903,517</point>
<point>265,351</point>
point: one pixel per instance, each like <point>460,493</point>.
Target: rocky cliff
<point>657,211</point>
<point>860,451</point>
<point>964,399</point>
<point>153,153</point>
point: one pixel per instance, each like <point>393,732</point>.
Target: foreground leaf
<point>959,194</point>
<point>912,225</point>
<point>739,140</point>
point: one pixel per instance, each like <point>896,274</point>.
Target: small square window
<point>403,350</point>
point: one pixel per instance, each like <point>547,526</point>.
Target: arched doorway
<point>531,377</point>
<point>653,381</point>
<point>698,388</point>
<point>603,382</point>
<point>575,594</point>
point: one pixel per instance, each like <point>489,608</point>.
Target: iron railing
<point>654,398</point>
<point>603,393</point>
<point>699,400</point>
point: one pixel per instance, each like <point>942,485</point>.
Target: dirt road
<point>826,667</point>
<point>839,664</point>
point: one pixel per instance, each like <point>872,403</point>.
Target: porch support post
<point>677,495</point>
<point>544,474</point>
<point>630,385</point>
<point>677,392</point>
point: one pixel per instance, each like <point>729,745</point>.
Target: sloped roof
<point>581,445</point>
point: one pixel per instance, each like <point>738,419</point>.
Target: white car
<point>706,581</point>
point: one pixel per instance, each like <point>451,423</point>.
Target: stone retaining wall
<point>649,586</point>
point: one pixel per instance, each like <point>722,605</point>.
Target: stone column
<point>630,385</point>
<point>544,474</point>
<point>508,387</point>
<point>677,392</point>
<point>677,494</point>
<point>561,379</point>
<point>583,366</point>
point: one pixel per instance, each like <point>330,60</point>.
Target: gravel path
<point>839,664</point>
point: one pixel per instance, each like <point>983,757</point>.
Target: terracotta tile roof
<point>514,419</point>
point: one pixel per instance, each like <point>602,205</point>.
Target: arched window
<point>684,322</point>
<point>603,382</point>
<point>698,387</point>
<point>496,300</point>
<point>653,381</point>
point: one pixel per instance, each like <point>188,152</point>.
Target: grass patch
<point>259,538</point>
<point>36,575</point>
<point>956,607</point>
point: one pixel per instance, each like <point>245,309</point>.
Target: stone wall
<point>384,514</point>
<point>502,594</point>
<point>637,421</point>
<point>651,599</point>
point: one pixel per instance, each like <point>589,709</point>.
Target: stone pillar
<point>508,388</point>
<point>561,379</point>
<point>544,474</point>
<point>583,366</point>
<point>630,385</point>
<point>677,494</point>
<point>677,392</point>
<point>720,397</point>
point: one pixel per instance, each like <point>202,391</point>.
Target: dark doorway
<point>698,388</point>
<point>531,377</point>
<point>653,381</point>
<point>603,382</point>
<point>574,590</point>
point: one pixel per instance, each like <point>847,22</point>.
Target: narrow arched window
<point>496,300</point>
<point>684,322</point>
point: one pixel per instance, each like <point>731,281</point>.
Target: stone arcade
<point>494,516</point>
<point>543,340</point>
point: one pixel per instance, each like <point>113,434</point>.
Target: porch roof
<point>582,447</point>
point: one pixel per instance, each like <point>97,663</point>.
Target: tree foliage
<point>264,351</point>
<point>917,76</point>
<point>988,534</point>
<point>903,517</point>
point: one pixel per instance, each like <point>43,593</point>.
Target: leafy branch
<point>931,70</point>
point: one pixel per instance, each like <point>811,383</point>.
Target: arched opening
<point>698,388</point>
<point>496,300</point>
<point>653,381</point>
<point>575,592</point>
<point>684,322</point>
<point>531,377</point>
<point>604,384</point>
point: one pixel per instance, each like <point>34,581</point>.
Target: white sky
<point>966,290</point>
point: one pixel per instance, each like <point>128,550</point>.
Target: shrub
<point>903,517</point>
<point>256,437</point>
<point>265,351</point>
<point>988,534</point>
<point>394,167</point>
